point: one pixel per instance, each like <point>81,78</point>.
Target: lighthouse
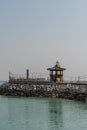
<point>56,73</point>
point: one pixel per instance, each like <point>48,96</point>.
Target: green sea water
<point>25,113</point>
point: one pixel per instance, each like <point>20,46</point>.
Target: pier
<point>37,85</point>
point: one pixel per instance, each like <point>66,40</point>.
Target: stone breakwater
<point>63,90</point>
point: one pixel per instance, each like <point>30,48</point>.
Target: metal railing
<point>31,76</point>
<point>35,76</point>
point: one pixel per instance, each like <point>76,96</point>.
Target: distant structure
<point>25,78</point>
<point>56,73</point>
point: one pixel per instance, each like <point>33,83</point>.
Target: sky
<point>34,34</point>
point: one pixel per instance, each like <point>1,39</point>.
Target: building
<point>56,73</point>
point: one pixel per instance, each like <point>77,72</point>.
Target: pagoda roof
<point>55,68</point>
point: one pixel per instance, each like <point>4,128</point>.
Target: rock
<point>70,91</point>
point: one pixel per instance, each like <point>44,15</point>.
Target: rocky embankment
<point>67,90</point>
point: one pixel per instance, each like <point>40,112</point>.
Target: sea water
<point>25,113</point>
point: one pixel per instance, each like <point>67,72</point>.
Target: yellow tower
<point>56,73</point>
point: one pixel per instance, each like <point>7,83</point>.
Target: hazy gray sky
<point>36,33</point>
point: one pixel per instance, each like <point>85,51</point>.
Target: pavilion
<point>56,73</point>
